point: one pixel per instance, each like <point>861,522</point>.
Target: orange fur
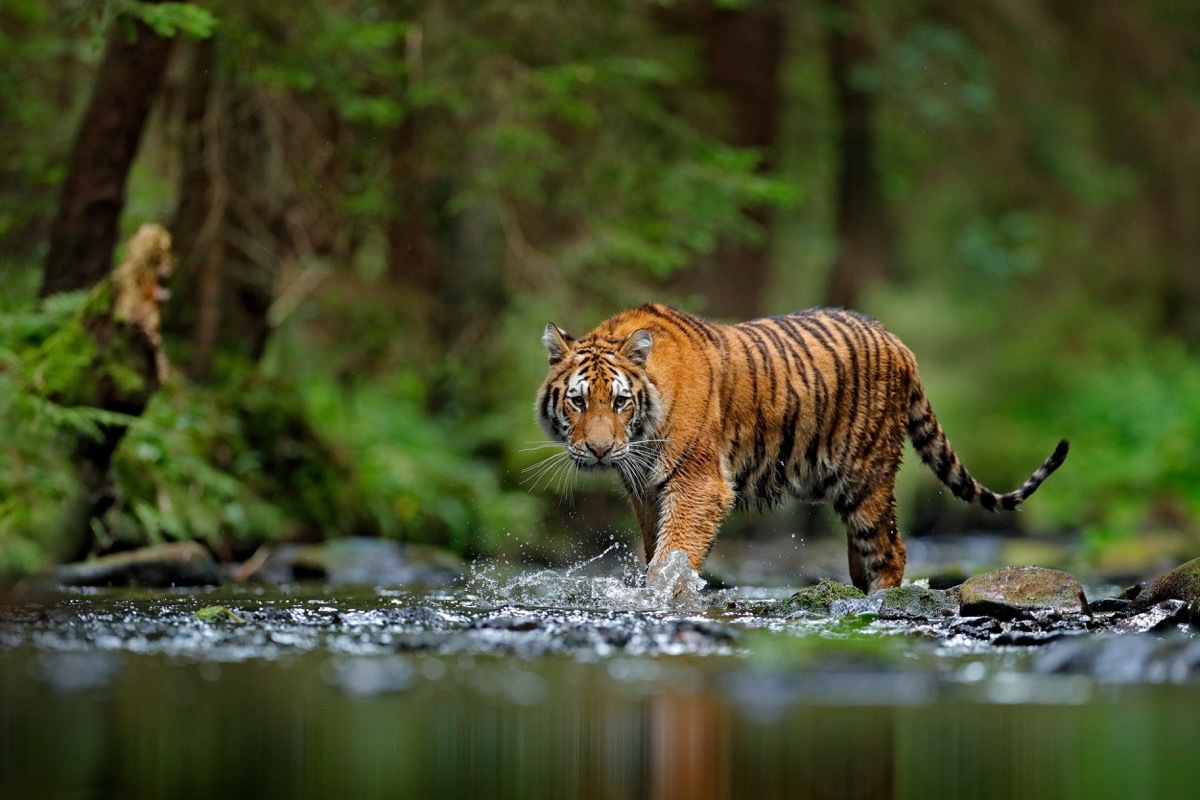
<point>697,417</point>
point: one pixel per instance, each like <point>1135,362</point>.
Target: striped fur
<point>698,417</point>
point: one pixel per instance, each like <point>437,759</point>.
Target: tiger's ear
<point>557,342</point>
<point>636,346</point>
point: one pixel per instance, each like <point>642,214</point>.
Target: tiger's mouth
<point>591,457</point>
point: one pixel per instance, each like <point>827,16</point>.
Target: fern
<point>86,422</point>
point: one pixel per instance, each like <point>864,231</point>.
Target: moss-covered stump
<point>1181,583</point>
<point>109,354</point>
<point>1014,592</point>
<point>817,598</point>
<point>103,364</point>
<point>163,565</point>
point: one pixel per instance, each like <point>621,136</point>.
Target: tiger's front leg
<point>690,509</point>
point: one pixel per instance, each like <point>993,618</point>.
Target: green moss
<point>88,353</point>
<point>819,597</point>
<point>218,614</point>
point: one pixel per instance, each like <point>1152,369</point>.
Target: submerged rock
<point>1014,592</point>
<point>162,565</point>
<point>819,598</point>
<point>1181,583</point>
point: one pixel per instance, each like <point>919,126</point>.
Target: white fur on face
<point>578,386</point>
<point>620,386</point>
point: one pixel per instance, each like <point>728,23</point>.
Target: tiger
<point>698,417</point>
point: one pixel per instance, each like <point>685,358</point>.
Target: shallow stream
<point>570,683</point>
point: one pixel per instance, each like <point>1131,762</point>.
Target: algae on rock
<point>819,597</point>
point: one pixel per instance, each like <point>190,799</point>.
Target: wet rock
<point>163,565</point>
<point>1014,592</point>
<point>1036,638</point>
<point>375,562</point>
<point>1109,605</point>
<point>946,580</point>
<point>615,636</point>
<point>1132,592</point>
<point>417,615</point>
<point>1181,583</point>
<point>818,598</point>
<point>1163,616</point>
<point>914,602</point>
<point>855,606</point>
<point>509,622</point>
<point>975,627</point>
<point>424,642</point>
<point>702,630</point>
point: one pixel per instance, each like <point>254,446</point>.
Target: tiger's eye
<point>619,402</point>
<point>577,402</point>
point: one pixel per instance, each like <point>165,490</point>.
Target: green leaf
<point>169,19</point>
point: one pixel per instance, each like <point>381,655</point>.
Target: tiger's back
<point>814,404</point>
<point>815,399</point>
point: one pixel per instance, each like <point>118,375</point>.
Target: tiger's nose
<point>599,450</point>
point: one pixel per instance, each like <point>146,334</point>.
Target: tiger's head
<point>597,398</point>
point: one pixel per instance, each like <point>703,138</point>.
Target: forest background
<point>377,206</point>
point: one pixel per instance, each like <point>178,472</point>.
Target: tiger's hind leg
<point>877,555</point>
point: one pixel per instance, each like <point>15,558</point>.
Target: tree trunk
<point>85,231</point>
<point>411,257</point>
<point>743,53</point>
<point>229,222</point>
<point>863,232</point>
<point>744,50</point>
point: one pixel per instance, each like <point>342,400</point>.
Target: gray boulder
<point>1014,592</point>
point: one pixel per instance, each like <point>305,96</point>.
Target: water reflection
<point>334,726</point>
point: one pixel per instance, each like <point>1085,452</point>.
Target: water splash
<point>676,582</point>
<point>676,586</point>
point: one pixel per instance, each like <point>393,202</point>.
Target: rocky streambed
<point>381,599</point>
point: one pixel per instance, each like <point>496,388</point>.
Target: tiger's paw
<point>673,579</point>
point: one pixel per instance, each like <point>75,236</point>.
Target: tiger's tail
<point>935,451</point>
